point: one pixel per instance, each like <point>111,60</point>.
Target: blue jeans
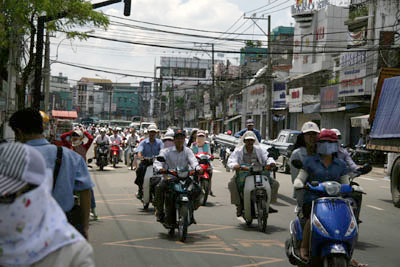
<point>92,200</point>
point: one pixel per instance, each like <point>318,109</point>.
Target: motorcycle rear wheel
<point>262,216</point>
<point>182,216</point>
<point>335,261</point>
<point>115,160</point>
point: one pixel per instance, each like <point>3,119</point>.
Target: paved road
<point>127,236</point>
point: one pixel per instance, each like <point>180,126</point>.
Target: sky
<point>209,15</point>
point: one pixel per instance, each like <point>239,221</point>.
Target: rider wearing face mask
<point>76,142</point>
<point>322,167</point>
<point>168,138</point>
<point>201,145</point>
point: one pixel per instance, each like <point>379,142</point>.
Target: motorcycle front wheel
<point>205,184</point>
<point>115,159</point>
<point>335,261</point>
<point>262,215</point>
<point>182,216</point>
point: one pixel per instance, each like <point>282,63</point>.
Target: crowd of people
<point>47,189</point>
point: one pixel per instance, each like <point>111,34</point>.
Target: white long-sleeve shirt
<point>237,156</point>
<point>174,159</point>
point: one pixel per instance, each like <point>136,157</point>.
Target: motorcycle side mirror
<point>160,159</point>
<point>297,163</point>
<point>273,152</point>
<point>90,160</point>
<point>366,168</point>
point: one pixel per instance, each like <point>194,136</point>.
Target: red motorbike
<point>115,153</point>
<point>204,179</point>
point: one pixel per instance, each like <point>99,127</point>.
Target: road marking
<point>264,243</point>
<point>368,179</point>
<point>217,171</point>
<point>373,207</point>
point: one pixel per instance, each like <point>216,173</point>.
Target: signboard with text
<point>352,75</point>
<point>279,95</point>
<point>329,97</point>
<point>295,99</point>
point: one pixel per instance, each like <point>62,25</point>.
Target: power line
<point>261,7</point>
<point>220,51</point>
<point>186,28</point>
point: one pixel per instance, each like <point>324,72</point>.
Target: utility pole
<point>46,80</point>
<point>39,44</point>
<point>212,91</point>
<point>173,101</point>
<point>268,74</point>
<point>198,106</point>
<point>269,83</point>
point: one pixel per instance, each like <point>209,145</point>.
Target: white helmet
<point>310,127</point>
<point>103,130</point>
<point>337,132</point>
<point>169,135</point>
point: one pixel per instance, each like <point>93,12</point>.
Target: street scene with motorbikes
<point>198,132</point>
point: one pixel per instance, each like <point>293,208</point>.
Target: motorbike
<point>179,201</point>
<point>102,152</point>
<point>204,179</point>
<point>334,228</point>
<point>115,153</point>
<point>360,155</point>
<point>255,191</point>
<point>149,182</point>
<point>228,152</point>
<point>132,155</point>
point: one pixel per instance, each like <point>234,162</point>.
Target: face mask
<point>168,143</point>
<point>76,142</point>
<point>201,140</point>
<point>327,148</point>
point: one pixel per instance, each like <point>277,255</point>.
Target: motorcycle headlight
<point>257,168</point>
<point>332,188</point>
<point>319,225</point>
<point>183,174</point>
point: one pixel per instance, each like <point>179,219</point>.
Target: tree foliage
<point>18,26</point>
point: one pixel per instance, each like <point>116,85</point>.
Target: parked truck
<point>385,126</point>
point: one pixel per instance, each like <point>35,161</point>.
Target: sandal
<point>356,263</point>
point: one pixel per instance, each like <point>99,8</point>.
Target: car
<point>284,143</point>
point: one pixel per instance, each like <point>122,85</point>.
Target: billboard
<point>352,74</point>
<point>279,95</point>
<point>295,99</point>
<point>329,97</point>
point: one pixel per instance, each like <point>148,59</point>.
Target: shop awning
<point>233,118</point>
<point>360,121</point>
<point>312,108</point>
<point>64,114</point>
<point>347,107</point>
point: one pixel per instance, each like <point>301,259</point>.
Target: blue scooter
<point>334,229</point>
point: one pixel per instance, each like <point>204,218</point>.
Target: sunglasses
<point>9,199</point>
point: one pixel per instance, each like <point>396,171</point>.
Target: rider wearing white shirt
<point>249,152</point>
<point>132,138</point>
